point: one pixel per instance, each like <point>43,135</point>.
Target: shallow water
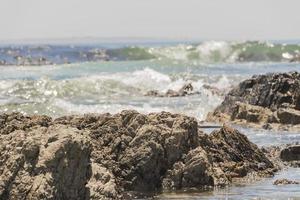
<point>113,86</point>
<point>263,189</point>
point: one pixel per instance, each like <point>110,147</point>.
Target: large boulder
<point>263,100</point>
<point>104,156</point>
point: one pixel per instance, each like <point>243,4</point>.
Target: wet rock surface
<point>186,90</point>
<point>287,155</point>
<point>285,181</point>
<point>270,101</point>
<point>98,156</point>
<point>291,153</point>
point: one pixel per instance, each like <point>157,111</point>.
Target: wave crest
<point>205,52</point>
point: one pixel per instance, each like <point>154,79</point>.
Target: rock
<point>31,61</point>
<point>102,184</point>
<point>186,90</point>
<point>284,181</point>
<point>44,163</point>
<point>251,113</point>
<point>17,121</point>
<point>196,171</point>
<point>272,99</point>
<point>291,153</point>
<point>281,155</point>
<point>154,93</point>
<point>235,154</point>
<point>288,116</point>
<point>295,58</point>
<point>104,156</point>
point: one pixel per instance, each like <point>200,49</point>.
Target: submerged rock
<point>267,101</point>
<point>284,181</point>
<point>186,90</point>
<point>98,156</point>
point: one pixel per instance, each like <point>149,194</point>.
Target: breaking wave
<point>220,51</point>
<point>109,92</point>
<point>205,52</point>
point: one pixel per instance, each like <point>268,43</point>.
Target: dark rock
<point>153,93</point>
<point>272,98</point>
<point>186,90</point>
<point>284,181</point>
<point>290,153</point>
<point>288,116</point>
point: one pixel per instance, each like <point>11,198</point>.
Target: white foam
<point>210,49</point>
<point>179,52</point>
<point>70,107</point>
<point>223,83</point>
<point>287,55</point>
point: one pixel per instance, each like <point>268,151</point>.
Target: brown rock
<point>104,156</point>
<point>44,163</point>
<point>284,181</point>
<point>288,116</point>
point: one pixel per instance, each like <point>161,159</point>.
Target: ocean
<point>65,79</point>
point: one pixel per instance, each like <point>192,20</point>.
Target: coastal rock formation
<point>98,156</point>
<point>268,101</point>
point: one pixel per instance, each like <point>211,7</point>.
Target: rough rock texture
<point>44,163</point>
<point>268,101</point>
<point>98,156</point>
<point>284,181</point>
<point>186,90</point>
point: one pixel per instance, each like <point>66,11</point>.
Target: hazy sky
<point>194,19</point>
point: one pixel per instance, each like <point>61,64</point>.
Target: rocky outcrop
<point>44,163</point>
<point>186,90</point>
<point>98,156</point>
<point>267,101</point>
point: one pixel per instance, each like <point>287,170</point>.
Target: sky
<point>174,19</point>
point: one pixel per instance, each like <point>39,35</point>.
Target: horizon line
<point>124,39</point>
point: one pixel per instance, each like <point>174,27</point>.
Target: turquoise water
<point>115,85</point>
